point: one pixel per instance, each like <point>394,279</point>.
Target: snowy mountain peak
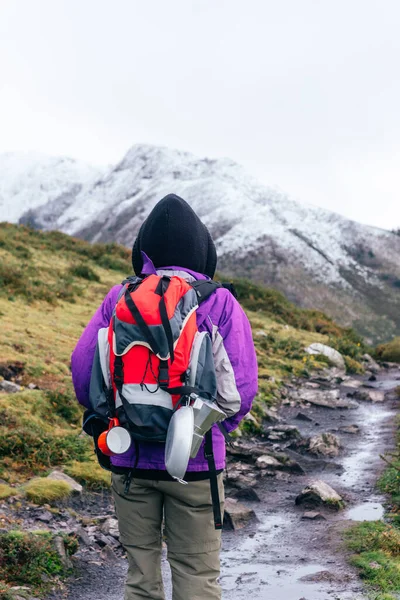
<point>30,180</point>
<point>318,258</point>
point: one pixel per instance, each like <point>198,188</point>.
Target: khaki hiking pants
<point>192,541</point>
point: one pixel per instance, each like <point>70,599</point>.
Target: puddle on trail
<point>367,511</point>
<point>357,465</point>
<point>265,581</point>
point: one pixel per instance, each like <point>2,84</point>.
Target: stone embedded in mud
<point>352,383</point>
<point>248,494</point>
<point>333,355</point>
<point>352,429</point>
<point>370,363</point>
<point>325,444</point>
<point>282,432</point>
<point>313,515</point>
<point>318,492</point>
<point>60,476</point>
<point>267,462</point>
<point>237,515</point>
<point>110,527</point>
<point>326,398</point>
<point>303,417</point>
<point>370,395</point>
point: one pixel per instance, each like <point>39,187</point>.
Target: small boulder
<point>60,548</point>
<point>352,429</point>
<point>248,494</point>
<point>318,492</point>
<point>282,432</point>
<point>371,395</point>
<point>110,527</point>
<point>60,476</point>
<point>303,417</point>
<point>325,444</point>
<point>267,462</point>
<point>237,515</point>
<point>370,363</point>
<point>9,387</point>
<point>312,515</point>
<point>333,355</point>
<point>327,398</point>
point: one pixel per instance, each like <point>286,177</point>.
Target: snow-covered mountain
<point>318,258</point>
<point>30,180</point>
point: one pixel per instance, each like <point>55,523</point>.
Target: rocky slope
<point>318,258</point>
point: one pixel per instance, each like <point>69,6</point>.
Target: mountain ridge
<point>317,258</point>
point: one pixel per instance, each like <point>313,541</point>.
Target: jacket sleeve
<point>235,361</point>
<point>83,355</point>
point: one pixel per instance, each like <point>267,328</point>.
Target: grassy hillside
<point>50,285</point>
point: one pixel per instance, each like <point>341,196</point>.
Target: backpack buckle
<point>163,374</point>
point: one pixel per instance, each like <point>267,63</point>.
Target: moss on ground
<point>390,351</point>
<point>6,491</point>
<point>90,474</point>
<point>46,491</point>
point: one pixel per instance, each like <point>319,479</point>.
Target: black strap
<point>162,287</point>
<point>141,323</point>
<point>130,411</point>
<point>204,288</point>
<point>209,455</point>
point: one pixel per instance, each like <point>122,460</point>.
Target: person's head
<point>173,235</point>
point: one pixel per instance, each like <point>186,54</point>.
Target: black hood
<point>173,235</point>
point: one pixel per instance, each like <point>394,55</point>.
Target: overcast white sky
<point>304,93</point>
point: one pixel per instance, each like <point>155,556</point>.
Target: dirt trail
<point>281,556</point>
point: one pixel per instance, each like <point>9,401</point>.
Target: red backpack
<point>152,356</point>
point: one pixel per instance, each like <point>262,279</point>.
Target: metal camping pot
<point>116,440</point>
<point>179,442</point>
<point>206,414</point>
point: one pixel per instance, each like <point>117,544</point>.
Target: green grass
<point>28,559</point>
<point>46,491</point>
<point>389,351</point>
<point>6,491</point>
<point>376,548</point>
<point>90,474</point>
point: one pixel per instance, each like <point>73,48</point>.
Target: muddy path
<point>281,555</point>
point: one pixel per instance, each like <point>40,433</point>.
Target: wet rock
<point>326,398</point>
<point>370,395</point>
<point>240,449</point>
<point>248,494</point>
<point>60,476</point>
<point>9,387</point>
<point>333,355</point>
<point>237,515</point>
<point>303,417</point>
<point>110,527</point>
<point>318,492</point>
<point>105,540</point>
<point>326,444</point>
<point>282,432</point>
<point>313,515</point>
<point>372,378</point>
<point>45,516</point>
<point>352,383</point>
<point>370,363</point>
<point>83,536</point>
<point>267,462</point>
<point>60,549</point>
<point>270,415</point>
<point>352,429</point>
<point>108,555</point>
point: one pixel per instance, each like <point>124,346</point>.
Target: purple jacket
<point>234,357</point>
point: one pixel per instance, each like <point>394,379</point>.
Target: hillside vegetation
<point>50,285</point>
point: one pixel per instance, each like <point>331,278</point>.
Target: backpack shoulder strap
<point>204,288</point>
